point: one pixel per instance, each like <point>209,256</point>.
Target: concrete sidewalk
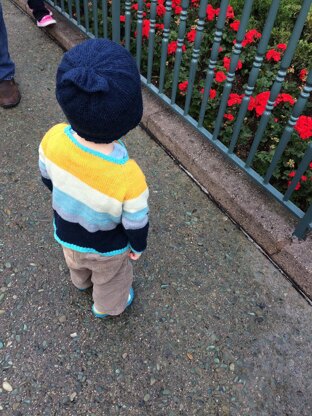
<point>215,328</point>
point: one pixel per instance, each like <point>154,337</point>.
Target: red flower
<point>235,25</point>
<point>172,47</point>
<point>291,175</point>
<point>183,86</point>
<point>261,102</point>
<point>176,6</point>
<point>211,12</point>
<point>298,186</point>
<point>146,28</point>
<point>273,55</point>
<point>251,36</point>
<point>310,165</point>
<point>227,62</point>
<point>220,76</point>
<point>135,6</point>
<point>212,94</point>
<point>191,35</point>
<point>161,10</point>
<point>234,99</point>
<point>282,46</point>
<point>160,26</point>
<point>229,12</point>
<point>122,18</point>
<point>251,104</point>
<point>303,75</point>
<point>229,117</point>
<point>304,127</point>
<point>285,98</point>
<point>304,178</point>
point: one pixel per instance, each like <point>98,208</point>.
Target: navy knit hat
<point>99,89</point>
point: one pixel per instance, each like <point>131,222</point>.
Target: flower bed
<point>295,79</point>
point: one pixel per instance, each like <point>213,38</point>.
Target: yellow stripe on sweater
<point>78,190</point>
<point>119,181</point>
<point>136,183</point>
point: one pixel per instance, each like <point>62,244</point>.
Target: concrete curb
<point>259,215</point>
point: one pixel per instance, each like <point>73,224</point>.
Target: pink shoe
<point>46,21</point>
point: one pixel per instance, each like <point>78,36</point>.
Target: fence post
<point>178,55</point>
<point>304,225</point>
<point>195,54</point>
<point>151,41</point>
<point>128,24</point>
<point>139,33</point>
<point>116,20</point>
<point>213,59</point>
<point>234,61</point>
<point>164,46</point>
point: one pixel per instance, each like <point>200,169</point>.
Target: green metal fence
<point>103,18</point>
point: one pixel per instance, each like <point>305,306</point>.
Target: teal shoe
<point>83,290</point>
<point>105,315</point>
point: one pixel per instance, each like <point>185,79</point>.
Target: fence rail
<point>118,19</point>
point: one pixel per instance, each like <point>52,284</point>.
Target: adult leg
<point>7,67</point>
<point>38,9</point>
<point>9,93</point>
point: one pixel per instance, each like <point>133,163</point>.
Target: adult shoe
<point>9,94</point>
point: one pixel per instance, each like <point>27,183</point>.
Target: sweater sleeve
<point>42,166</point>
<point>135,210</point>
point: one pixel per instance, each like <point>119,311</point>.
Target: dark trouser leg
<point>38,9</point>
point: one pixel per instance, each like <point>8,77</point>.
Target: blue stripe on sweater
<point>134,225</point>
<point>75,211</point>
<point>135,216</point>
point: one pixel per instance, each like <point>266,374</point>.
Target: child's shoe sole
<point>84,289</point>
<point>105,315</point>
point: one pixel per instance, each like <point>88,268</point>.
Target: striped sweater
<point>99,201</point>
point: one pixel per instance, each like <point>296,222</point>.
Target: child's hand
<point>134,256</point>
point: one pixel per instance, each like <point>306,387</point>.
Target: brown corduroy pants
<point>111,278</point>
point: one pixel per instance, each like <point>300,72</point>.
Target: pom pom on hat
<point>99,89</point>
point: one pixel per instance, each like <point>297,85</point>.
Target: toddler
<point>99,194</point>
